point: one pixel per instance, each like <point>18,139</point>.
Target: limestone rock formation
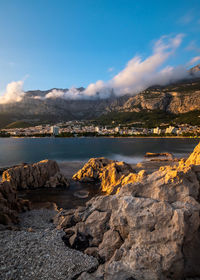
<point>45,173</point>
<point>91,171</point>
<point>194,158</point>
<point>175,98</point>
<point>42,174</point>
<point>10,204</point>
<point>110,174</point>
<point>149,230</point>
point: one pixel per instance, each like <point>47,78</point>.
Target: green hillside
<point>149,118</point>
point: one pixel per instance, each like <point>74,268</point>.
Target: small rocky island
<point>144,224</point>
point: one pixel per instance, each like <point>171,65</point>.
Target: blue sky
<point>63,43</point>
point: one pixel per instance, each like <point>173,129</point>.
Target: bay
<point>132,150</point>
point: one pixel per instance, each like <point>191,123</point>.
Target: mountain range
<point>176,98</point>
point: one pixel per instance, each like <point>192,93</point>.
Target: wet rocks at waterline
<point>44,173</point>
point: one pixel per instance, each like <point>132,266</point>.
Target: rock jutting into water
<point>110,174</point>
<point>45,173</point>
<point>149,230</point>
<point>153,155</point>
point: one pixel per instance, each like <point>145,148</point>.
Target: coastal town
<point>84,128</point>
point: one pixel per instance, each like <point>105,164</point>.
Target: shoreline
<point>167,137</point>
<point>69,168</point>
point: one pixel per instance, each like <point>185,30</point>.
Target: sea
<point>131,150</point>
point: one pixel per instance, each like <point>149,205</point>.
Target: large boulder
<point>10,204</point>
<point>149,229</point>
<point>111,175</point>
<point>45,173</point>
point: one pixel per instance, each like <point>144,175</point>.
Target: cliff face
<point>177,98</point>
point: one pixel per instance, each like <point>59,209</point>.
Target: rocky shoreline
<point>144,226</point>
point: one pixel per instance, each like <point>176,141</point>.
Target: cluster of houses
<point>29,131</point>
<point>80,128</point>
<point>170,130</point>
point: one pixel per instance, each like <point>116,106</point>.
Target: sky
<point>63,44</point>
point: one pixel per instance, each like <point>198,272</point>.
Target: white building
<point>117,128</point>
<point>171,130</point>
<point>157,130</point>
<point>97,129</point>
<point>54,130</point>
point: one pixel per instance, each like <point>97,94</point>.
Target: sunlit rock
<point>194,158</point>
<point>110,174</point>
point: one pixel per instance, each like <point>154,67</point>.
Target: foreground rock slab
<point>38,252</point>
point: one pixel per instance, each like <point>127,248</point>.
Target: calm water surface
<point>64,198</point>
<point>132,150</point>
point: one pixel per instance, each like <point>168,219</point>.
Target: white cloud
<point>72,93</point>
<point>140,74</point>
<point>137,75</point>
<point>194,60</point>
<point>13,93</point>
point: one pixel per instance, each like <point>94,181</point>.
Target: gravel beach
<point>38,252</point>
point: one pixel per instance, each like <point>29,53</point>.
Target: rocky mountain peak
<point>195,69</point>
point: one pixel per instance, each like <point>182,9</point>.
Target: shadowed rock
<point>10,204</point>
<point>45,173</point>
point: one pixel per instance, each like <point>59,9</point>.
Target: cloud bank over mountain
<point>14,93</point>
<point>137,75</point>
